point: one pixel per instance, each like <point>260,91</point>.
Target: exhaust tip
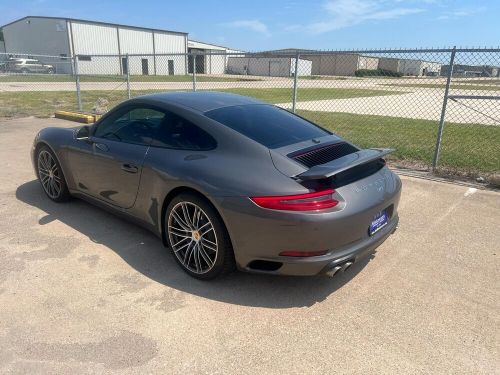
<point>333,271</point>
<point>339,267</point>
<point>346,265</point>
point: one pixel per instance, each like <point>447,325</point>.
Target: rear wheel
<point>24,71</point>
<point>197,237</point>
<point>51,176</point>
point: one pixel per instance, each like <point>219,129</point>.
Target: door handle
<point>129,168</point>
<point>101,146</point>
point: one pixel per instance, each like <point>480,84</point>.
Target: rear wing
<point>344,163</point>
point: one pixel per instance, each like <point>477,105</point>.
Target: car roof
<point>202,101</point>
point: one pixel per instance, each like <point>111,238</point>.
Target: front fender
<point>57,140</point>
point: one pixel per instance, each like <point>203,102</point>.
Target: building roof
<point>208,44</point>
<point>96,23</point>
<point>218,46</point>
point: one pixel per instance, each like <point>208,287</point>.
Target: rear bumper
<point>359,250</point>
<point>260,235</point>
<point>323,264</point>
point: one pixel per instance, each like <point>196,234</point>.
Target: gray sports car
<point>227,182</point>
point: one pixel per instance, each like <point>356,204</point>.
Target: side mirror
<point>83,133</point>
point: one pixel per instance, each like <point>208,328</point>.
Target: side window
<point>178,133</point>
<point>137,125</point>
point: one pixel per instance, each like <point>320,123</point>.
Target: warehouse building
<point>3,56</point>
<point>330,64</point>
<point>410,67</point>
<point>340,64</point>
<point>274,66</point>
<point>461,70</point>
<point>212,58</point>
<point>66,37</point>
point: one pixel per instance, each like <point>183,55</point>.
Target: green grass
<point>45,103</point>
<point>465,147</point>
<point>388,77</point>
<point>58,78</point>
<point>487,81</point>
<point>284,95</point>
<point>189,78</point>
<point>442,86</point>
<point>119,78</point>
<point>327,78</point>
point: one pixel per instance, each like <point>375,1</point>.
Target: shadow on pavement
<point>144,252</point>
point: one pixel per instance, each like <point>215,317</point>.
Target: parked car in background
<point>28,66</point>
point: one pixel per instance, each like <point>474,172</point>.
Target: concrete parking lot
<point>82,291</point>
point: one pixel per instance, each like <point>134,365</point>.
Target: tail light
<point>318,200</point>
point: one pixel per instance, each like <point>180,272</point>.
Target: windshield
<point>271,126</point>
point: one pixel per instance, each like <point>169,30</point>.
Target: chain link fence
<point>438,108</point>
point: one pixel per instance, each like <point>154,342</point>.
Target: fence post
<point>443,110</point>
<point>77,81</point>
<point>128,77</point>
<point>295,75</point>
<point>194,71</point>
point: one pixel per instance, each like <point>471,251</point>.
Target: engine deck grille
<point>323,154</point>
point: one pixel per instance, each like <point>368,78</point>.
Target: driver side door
<point>110,164</point>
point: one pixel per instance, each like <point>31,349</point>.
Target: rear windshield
<point>271,126</point>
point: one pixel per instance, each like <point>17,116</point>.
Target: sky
<point>258,25</point>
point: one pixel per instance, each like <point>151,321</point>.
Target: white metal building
<point>340,64</point>
<point>419,67</point>
<point>2,51</point>
<point>267,66</point>
<point>410,67</point>
<point>212,59</point>
<point>331,64</point>
<point>66,37</point>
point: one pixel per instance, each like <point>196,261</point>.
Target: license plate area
<point>379,221</point>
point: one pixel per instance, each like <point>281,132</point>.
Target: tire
<point>51,176</point>
<point>50,71</point>
<point>197,237</point>
<point>24,71</point>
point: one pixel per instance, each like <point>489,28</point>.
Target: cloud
<point>459,13</point>
<point>253,25</point>
<point>347,13</point>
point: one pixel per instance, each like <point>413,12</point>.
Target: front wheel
<point>51,176</point>
<point>197,237</point>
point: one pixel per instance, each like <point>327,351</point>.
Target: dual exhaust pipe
<point>340,267</point>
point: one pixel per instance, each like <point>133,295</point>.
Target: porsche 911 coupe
<point>227,182</point>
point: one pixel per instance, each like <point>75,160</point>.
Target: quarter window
<point>137,125</point>
<point>178,133</point>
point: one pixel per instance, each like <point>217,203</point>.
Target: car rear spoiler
<point>344,163</point>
